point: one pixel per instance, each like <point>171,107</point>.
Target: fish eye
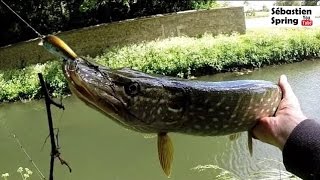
<point>132,88</point>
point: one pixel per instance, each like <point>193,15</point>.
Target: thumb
<point>285,87</point>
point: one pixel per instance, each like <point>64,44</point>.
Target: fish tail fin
<point>250,143</point>
<point>165,152</point>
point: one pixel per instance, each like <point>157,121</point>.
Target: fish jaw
<point>87,84</point>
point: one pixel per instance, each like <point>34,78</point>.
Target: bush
<point>208,54</point>
<point>178,56</point>
<point>24,84</point>
<point>73,14</point>
<point>204,4</point>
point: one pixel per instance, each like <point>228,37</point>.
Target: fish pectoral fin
<point>165,152</point>
<point>250,142</point>
<point>234,136</point>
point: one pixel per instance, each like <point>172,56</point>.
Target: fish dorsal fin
<point>250,142</point>
<point>165,152</point>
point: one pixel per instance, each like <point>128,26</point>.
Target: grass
<point>23,84</point>
<point>184,56</point>
<point>178,56</point>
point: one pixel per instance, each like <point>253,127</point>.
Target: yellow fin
<point>234,136</point>
<point>165,152</point>
<point>250,143</point>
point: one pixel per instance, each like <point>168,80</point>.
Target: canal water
<point>98,148</point>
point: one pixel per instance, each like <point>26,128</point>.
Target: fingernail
<point>284,78</point>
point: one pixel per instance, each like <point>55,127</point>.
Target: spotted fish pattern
<point>159,104</point>
<point>165,104</point>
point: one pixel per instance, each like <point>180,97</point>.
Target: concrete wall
<point>94,40</point>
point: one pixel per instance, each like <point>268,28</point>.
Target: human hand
<point>276,130</point>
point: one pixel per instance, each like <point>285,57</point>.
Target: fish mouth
<point>92,84</point>
<point>85,79</point>
<point>94,88</point>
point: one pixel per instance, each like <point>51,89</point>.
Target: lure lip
<point>59,48</point>
<point>41,42</point>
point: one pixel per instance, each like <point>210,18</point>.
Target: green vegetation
<point>265,173</point>
<point>179,56</point>
<point>24,172</point>
<point>24,84</point>
<point>185,56</point>
<point>288,3</point>
<point>205,4</point>
<point>61,15</point>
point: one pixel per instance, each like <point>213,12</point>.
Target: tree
<point>225,4</point>
<point>48,16</point>
<point>310,3</point>
<point>265,8</point>
<point>245,3</point>
<point>287,3</point>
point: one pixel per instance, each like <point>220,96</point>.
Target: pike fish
<point>160,104</point>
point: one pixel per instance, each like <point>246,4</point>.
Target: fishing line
<point>39,35</point>
<point>13,135</point>
<point>16,139</point>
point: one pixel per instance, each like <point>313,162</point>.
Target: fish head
<point>87,81</point>
<point>127,96</point>
<point>132,98</point>
<point>148,100</point>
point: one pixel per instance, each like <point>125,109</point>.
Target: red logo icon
<point>306,22</point>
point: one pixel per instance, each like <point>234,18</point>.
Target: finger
<point>262,128</point>
<point>285,87</point>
